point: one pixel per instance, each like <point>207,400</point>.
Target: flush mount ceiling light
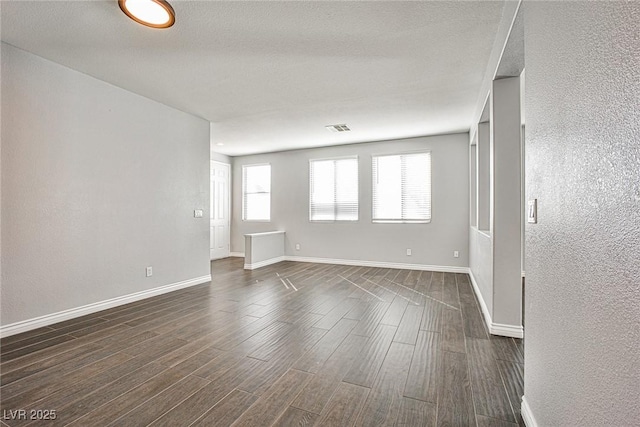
<point>152,13</point>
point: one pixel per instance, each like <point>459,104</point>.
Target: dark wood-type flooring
<point>292,344</point>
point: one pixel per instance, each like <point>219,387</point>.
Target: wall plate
<point>532,211</point>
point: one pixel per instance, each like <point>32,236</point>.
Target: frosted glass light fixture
<point>152,13</point>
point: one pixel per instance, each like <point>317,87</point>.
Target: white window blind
<point>333,194</point>
<point>402,188</point>
<point>256,193</point>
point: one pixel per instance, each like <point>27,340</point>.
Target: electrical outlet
<point>408,252</point>
<point>456,254</point>
<point>197,213</point>
<point>297,246</point>
<point>149,271</point>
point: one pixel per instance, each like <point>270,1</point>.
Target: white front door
<point>220,209</point>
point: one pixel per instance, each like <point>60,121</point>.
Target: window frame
<point>244,188</point>
<point>329,221</point>
<point>373,179</point>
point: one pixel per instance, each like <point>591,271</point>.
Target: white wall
<point>481,265</point>
<point>261,247</point>
<point>583,165</point>
<point>97,184</point>
<point>506,201</point>
<point>484,177</point>
<point>431,244</point>
<point>496,252</point>
<point>480,241</point>
<point>218,157</point>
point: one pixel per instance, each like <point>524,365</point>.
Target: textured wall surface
<point>1,50</point>
<point>583,165</point>
<point>432,243</point>
<point>97,184</point>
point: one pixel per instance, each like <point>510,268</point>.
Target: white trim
<point>522,273</point>
<point>485,233</point>
<point>483,305</point>
<point>49,319</point>
<point>264,263</point>
<point>381,264</point>
<point>507,330</point>
<point>265,233</point>
<point>494,328</point>
<point>527,415</point>
<point>359,263</point>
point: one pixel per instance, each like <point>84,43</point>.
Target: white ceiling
<point>270,75</point>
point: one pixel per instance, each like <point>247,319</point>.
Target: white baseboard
<point>264,263</point>
<point>514,331</point>
<point>507,330</point>
<point>527,415</point>
<point>483,305</point>
<point>359,263</point>
<point>381,264</point>
<point>237,254</point>
<point>50,319</point>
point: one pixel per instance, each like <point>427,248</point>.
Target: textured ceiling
<point>270,75</point>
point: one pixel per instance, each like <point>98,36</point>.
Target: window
<point>333,193</point>
<point>256,193</point>
<point>402,188</point>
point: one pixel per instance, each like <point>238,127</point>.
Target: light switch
<point>532,211</point>
<point>197,213</point>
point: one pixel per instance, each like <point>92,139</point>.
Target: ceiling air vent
<point>338,128</point>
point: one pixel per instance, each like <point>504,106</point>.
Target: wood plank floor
<point>289,344</point>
